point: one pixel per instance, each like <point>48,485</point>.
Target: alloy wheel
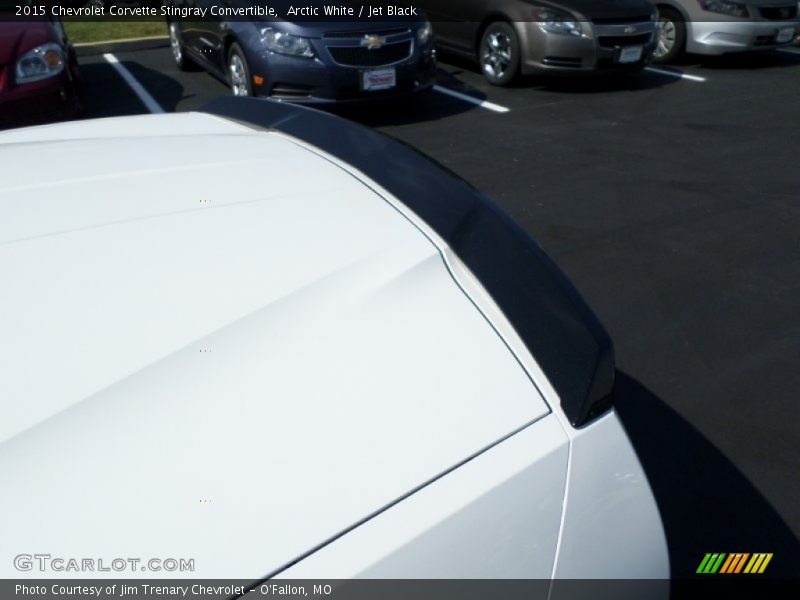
<point>667,35</point>
<point>237,75</point>
<point>175,42</point>
<point>496,55</point>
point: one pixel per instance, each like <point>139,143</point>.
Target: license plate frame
<point>629,55</point>
<point>785,35</point>
<point>376,80</point>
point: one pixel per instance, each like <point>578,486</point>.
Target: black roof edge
<point>557,326</point>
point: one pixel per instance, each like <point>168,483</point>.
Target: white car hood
<point>218,345</point>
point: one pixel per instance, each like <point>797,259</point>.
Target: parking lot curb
<point>128,45</point>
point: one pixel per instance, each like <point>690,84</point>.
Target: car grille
<point>364,57</point>
<point>289,91</point>
<point>612,41</point>
<point>778,13</point>
<point>340,35</point>
<point>622,20</point>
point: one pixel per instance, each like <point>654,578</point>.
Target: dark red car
<point>39,78</point>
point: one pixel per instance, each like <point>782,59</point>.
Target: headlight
<point>724,7</point>
<point>42,62</point>
<point>556,21</point>
<point>424,33</point>
<point>286,43</point>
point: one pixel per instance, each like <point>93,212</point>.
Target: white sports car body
<point>229,342</point>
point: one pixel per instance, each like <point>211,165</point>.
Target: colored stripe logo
<point>735,562</point>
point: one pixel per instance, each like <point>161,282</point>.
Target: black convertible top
<point>555,323</point>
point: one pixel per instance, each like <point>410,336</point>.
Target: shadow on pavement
<point>172,96</point>
<point>104,94</point>
<point>706,504</point>
<point>417,108</point>
<point>166,90</point>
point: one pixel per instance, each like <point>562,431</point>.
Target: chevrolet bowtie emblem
<point>373,41</point>
<point>630,29</point>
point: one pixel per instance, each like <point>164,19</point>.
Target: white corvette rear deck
<point>236,348</point>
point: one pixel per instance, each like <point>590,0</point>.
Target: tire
<point>671,35</point>
<point>182,61</point>
<point>239,77</point>
<point>498,53</point>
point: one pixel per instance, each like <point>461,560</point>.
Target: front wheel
<point>671,35</point>
<point>498,54</point>
<point>239,72</point>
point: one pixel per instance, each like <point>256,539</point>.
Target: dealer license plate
<point>631,54</point>
<point>785,34</point>
<point>378,79</point>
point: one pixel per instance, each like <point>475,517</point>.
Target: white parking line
<point>471,99</point>
<point>678,74</point>
<point>138,89</point>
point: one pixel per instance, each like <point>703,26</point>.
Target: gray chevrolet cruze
<point>309,61</point>
<point>508,37</point>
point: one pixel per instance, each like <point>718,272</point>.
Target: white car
<point>275,344</point>
<point>715,27</point>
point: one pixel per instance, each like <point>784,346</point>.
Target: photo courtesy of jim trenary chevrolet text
<point>357,299</point>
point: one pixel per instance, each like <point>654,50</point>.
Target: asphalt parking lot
<point>671,200</point>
